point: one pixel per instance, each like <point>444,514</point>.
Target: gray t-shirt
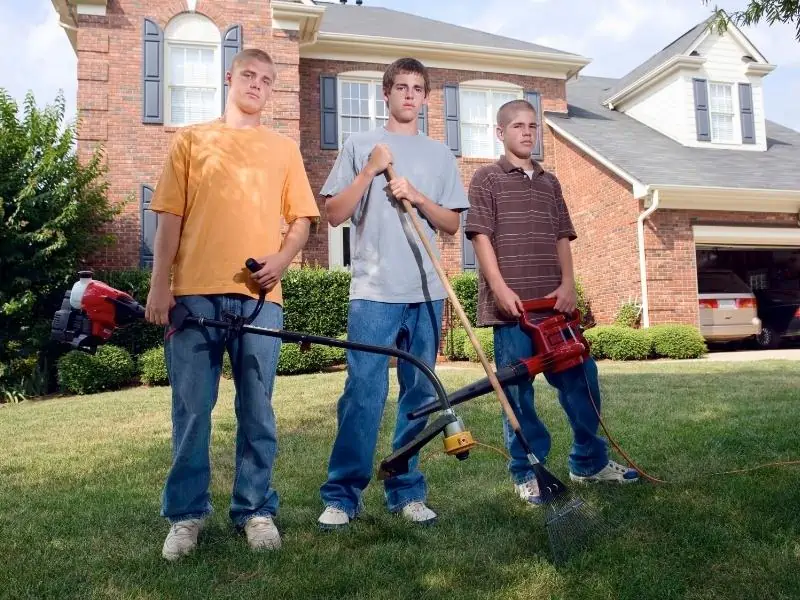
<point>388,261</point>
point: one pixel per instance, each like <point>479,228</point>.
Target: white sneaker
<point>182,538</point>
<point>417,512</point>
<point>262,534</point>
<point>612,473</point>
<point>529,491</point>
<point>333,518</point>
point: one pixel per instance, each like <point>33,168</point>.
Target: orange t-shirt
<point>231,186</point>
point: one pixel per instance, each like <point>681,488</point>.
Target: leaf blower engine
<point>90,312</point>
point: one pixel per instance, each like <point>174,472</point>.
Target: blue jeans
<point>414,328</point>
<point>194,365</point>
<point>589,452</point>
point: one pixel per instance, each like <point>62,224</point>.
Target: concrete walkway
<point>752,355</point>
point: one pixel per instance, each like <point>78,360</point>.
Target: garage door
<point>770,237</point>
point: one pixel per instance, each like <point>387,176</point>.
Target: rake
<point>570,521</point>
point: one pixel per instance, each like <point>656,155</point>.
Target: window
<point>193,70</point>
<point>478,108</point>
<point>362,106</point>
<point>721,110</point>
<point>339,246</point>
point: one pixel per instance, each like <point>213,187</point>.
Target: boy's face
<point>406,97</point>
<point>519,134</point>
<point>250,85</point>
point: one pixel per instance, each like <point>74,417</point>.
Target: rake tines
<point>572,525</point>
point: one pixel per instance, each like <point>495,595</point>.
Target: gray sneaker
<point>182,538</point>
<point>417,512</point>
<point>333,518</point>
<point>262,534</point>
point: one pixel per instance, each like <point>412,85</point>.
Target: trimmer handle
<point>539,304</point>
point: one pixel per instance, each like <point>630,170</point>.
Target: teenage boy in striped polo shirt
<point>520,227</point>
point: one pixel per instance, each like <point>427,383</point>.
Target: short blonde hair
<point>252,53</point>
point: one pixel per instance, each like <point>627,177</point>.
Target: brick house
<point>671,165</point>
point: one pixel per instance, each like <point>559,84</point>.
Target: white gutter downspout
<point>642,262</point>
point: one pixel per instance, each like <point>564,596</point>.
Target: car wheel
<point>768,338</point>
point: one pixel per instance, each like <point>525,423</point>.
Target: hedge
<point>316,300</point>
<point>110,368</point>
<point>153,367</point>
<point>678,341</point>
<point>625,343</point>
<point>454,344</point>
<point>465,286</point>
<point>485,337</point>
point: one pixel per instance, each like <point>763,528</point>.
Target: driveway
<point>751,355</point>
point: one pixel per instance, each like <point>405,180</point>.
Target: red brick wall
<point>604,214</point>
<point>109,52</point>
<point>319,162</point>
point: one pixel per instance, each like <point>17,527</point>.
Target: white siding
<point>662,107</point>
<point>724,65</point>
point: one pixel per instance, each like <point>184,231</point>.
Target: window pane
<point>192,105</point>
<point>500,98</point>
<point>721,128</point>
<point>476,140</point>
<point>353,125</point>
<point>355,99</point>
<point>192,66</point>
<point>474,107</point>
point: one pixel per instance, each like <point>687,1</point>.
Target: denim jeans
<point>414,328</point>
<point>194,365</point>
<point>589,451</point>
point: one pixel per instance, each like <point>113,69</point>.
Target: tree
<point>53,215</point>
<point>771,11</point>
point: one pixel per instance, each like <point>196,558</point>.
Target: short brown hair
<point>252,53</point>
<point>506,112</point>
<point>405,65</point>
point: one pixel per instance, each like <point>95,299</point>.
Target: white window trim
<point>373,79</point>
<point>736,134</point>
<point>487,86</point>
<point>336,246</point>
<point>192,23</point>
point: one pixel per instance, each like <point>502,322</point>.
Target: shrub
<point>294,361</point>
<point>485,337</point>
<point>587,319</point>
<point>153,367</point>
<point>628,315</point>
<point>465,286</point>
<point>316,300</point>
<point>109,369</point>
<point>619,343</point>
<point>53,215</point>
<point>678,341</point>
<point>454,344</point>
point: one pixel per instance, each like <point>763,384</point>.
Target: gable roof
<point>363,20</point>
<point>676,48</point>
<point>655,159</point>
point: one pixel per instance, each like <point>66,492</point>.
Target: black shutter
<point>329,122</point>
<point>422,119</point>
<point>231,46</point>
<point>468,261</point>
<point>701,117</point>
<point>746,111</point>
<point>149,221</point>
<point>451,119</point>
<point>152,73</point>
<point>538,148</point>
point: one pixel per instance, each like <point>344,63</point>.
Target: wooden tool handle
<point>512,418</point>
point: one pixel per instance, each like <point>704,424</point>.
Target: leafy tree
<point>53,215</point>
<point>770,11</point>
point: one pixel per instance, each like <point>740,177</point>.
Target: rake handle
<point>512,418</point>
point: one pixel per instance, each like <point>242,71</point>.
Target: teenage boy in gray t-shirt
<point>396,298</point>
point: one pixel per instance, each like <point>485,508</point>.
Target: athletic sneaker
<point>182,538</point>
<point>417,512</point>
<point>262,534</point>
<point>529,491</point>
<point>333,518</point>
<point>612,473</point>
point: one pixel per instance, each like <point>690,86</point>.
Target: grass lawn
<point>81,478</point>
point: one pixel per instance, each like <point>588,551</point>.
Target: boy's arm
<point>506,299</point>
<point>273,266</point>
<point>340,206</point>
<point>565,294</point>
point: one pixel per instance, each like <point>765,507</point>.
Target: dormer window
<point>722,113</point>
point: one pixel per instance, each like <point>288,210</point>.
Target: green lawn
<point>81,477</point>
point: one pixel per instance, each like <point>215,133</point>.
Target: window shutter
<point>329,122</point>
<point>231,46</point>
<point>468,261</point>
<point>451,118</point>
<point>149,221</point>
<point>746,110</point>
<point>536,100</point>
<point>422,119</point>
<point>701,117</point>
<point>152,73</point>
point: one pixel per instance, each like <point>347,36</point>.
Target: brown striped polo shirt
<point>524,217</point>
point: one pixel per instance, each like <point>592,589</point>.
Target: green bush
<point>109,369</point>
<point>454,344</point>
<point>465,286</point>
<point>294,361</point>
<point>153,367</point>
<point>619,343</point>
<point>628,315</point>
<point>678,341</point>
<point>19,379</point>
<point>316,300</point>
<point>485,337</point>
<point>587,319</point>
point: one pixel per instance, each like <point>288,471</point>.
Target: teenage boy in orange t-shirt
<point>220,198</point>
